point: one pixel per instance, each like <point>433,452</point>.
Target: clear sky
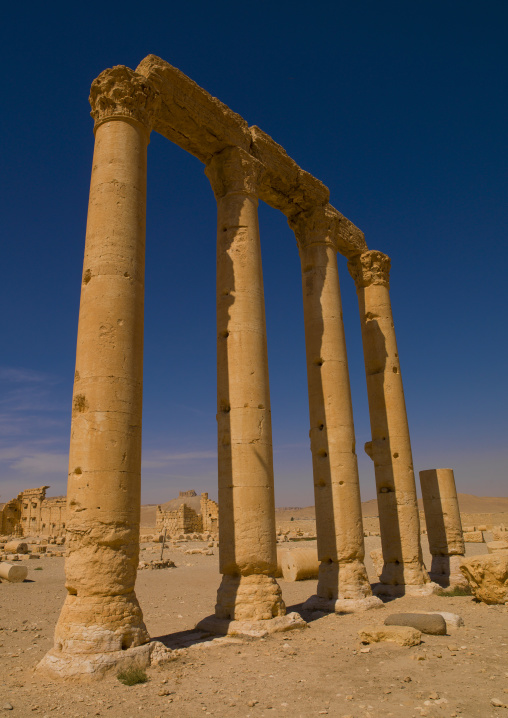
<point>400,108</point>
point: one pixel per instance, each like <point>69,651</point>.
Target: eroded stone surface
<point>432,623</point>
<point>487,576</point>
<point>402,635</point>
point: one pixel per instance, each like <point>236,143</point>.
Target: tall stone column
<point>101,624</point>
<point>444,527</point>
<point>390,449</point>
<point>247,542</point>
<point>343,583</point>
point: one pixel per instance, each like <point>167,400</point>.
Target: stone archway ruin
<point>101,624</point>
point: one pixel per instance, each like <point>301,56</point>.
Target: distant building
<point>184,514</point>
<point>32,514</point>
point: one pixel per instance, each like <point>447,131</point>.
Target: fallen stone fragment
<point>497,546</point>
<point>14,574</point>
<point>496,703</point>
<point>16,547</point>
<point>402,635</point>
<point>7,707</point>
<point>453,620</point>
<point>487,576</point>
<point>432,623</point>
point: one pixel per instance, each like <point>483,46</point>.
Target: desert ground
<point>320,670</point>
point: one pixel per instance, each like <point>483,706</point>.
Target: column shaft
<point>390,448</point>
<point>339,525</point>
<point>101,623</point>
<point>444,526</point>
<point>247,541</point>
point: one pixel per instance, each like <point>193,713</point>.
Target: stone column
<point>247,542</point>
<point>343,583</point>
<point>101,625</point>
<point>444,527</point>
<point>390,449</point>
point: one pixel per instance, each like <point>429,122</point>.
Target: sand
<point>323,670</point>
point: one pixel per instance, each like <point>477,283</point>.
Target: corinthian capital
<point>319,225</point>
<point>234,170</point>
<point>121,92</point>
<point>371,267</point>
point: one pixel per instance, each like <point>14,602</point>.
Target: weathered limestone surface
<point>473,537</point>
<point>339,525</point>
<point>14,574</point>
<point>497,546</point>
<point>402,635</point>
<point>247,541</point>
<point>101,623</point>
<point>432,623</point>
<point>487,576</point>
<point>444,527</point>
<point>390,448</point>
<point>16,547</point>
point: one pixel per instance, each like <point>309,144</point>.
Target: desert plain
<point>323,669</point>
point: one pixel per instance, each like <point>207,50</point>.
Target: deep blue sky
<point>400,108</point>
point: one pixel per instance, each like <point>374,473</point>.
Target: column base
<point>445,571</point>
<point>342,605</point>
<point>88,667</point>
<point>253,629</point>
<point>249,598</point>
<point>343,581</point>
<point>405,589</point>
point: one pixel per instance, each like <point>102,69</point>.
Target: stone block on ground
<point>497,546</point>
<point>473,537</point>
<point>453,620</point>
<point>13,574</point>
<point>432,623</point>
<point>16,547</point>
<point>487,576</point>
<point>401,635</point>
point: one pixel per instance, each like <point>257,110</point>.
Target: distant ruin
<point>32,514</point>
<point>186,519</point>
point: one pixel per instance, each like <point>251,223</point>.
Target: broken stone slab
<point>14,574</point>
<point>160,654</point>
<point>401,635</point>
<point>254,629</point>
<point>432,623</point>
<point>487,576</point>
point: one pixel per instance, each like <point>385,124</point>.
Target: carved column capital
<point>319,225</point>
<point>371,267</point>
<point>234,171</point>
<point>119,92</point>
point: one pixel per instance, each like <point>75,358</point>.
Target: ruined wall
<point>186,520</point>
<point>181,520</point>
<point>32,514</point>
<point>209,514</point>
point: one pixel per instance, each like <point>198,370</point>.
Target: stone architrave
<point>444,527</point>
<point>247,539</point>
<point>343,583</point>
<point>390,449</point>
<point>101,625</point>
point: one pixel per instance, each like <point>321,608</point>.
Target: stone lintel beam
<point>285,185</point>
<point>164,99</point>
<point>327,225</point>
<point>189,116</point>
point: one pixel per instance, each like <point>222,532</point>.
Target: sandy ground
<point>322,670</point>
